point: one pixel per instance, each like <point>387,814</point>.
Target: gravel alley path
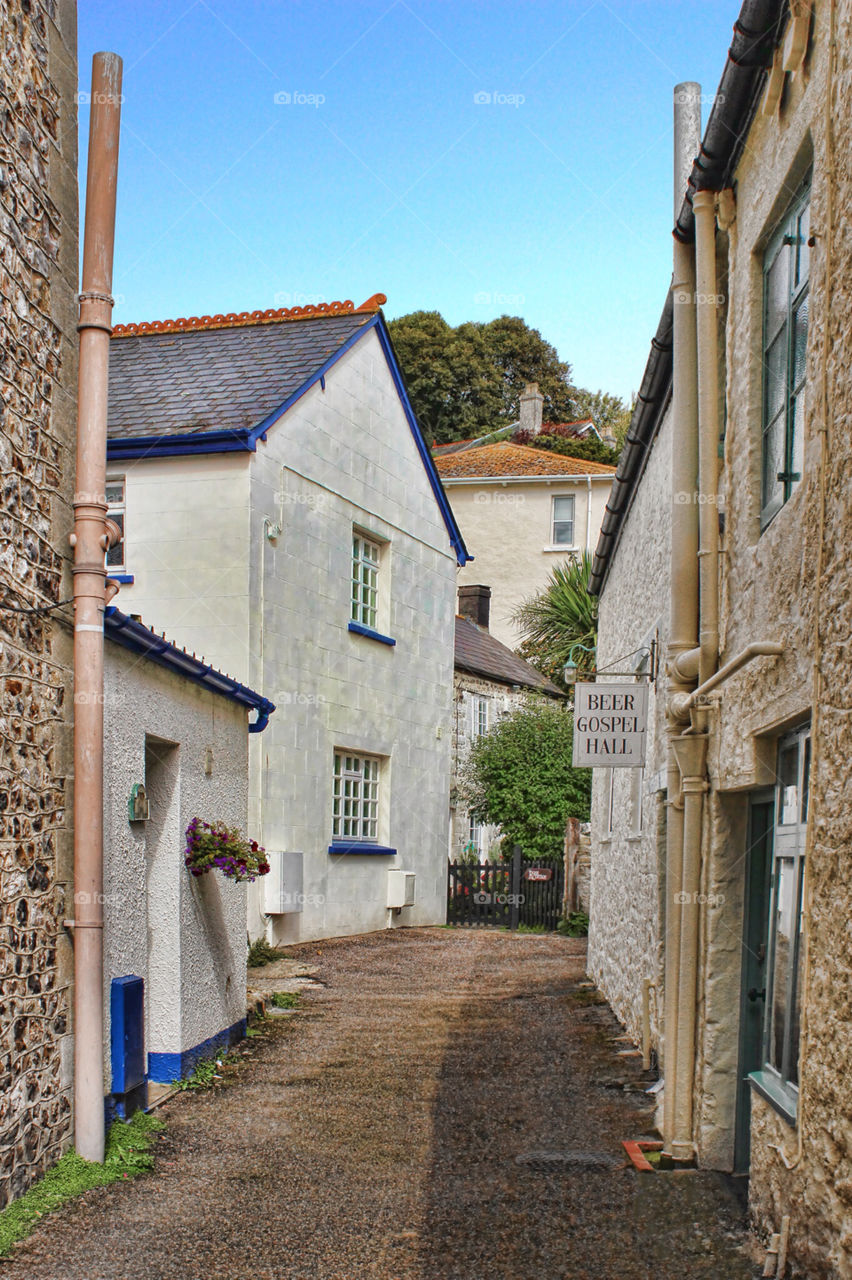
<point>376,1133</point>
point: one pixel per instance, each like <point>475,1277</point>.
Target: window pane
<point>777,293</point>
<point>783,942</point>
<point>776,377</point>
<point>114,492</point>
<point>800,342</point>
<point>773,463</point>
<point>788,779</point>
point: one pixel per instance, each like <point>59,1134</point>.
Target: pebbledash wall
<point>800,1169</point>
<point>272,609</point>
<point>185,936</point>
<point>627,908</point>
<point>38,282</point>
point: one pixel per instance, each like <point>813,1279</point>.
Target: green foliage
<point>205,1074</point>
<point>285,1000</point>
<point>261,952</point>
<point>609,413</point>
<point>531,928</point>
<point>466,381</point>
<point>575,925</point>
<point>591,449</point>
<point>559,617</point>
<point>520,776</point>
<point>127,1154</point>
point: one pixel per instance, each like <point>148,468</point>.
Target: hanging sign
<point>610,725</point>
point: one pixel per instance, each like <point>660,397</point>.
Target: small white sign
<point>610,725</point>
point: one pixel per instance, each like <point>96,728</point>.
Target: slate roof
<point>218,378</point>
<point>482,654</point>
<point>506,459</point>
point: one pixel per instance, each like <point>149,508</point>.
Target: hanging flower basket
<point>211,846</point>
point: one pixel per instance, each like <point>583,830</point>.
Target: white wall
<point>342,456</point>
<point>185,936</point>
<point>508,530</point>
<point>275,613</point>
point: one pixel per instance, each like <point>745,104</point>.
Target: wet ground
<point>443,1104</point>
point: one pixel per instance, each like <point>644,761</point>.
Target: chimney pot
<point>531,408</point>
<point>475,604</point>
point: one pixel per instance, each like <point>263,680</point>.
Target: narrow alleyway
<point>377,1133</point>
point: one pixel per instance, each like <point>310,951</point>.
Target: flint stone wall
<point>38,283</point>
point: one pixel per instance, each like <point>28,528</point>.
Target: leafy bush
<point>575,925</point>
<point>520,776</point>
<point>558,439</point>
<point>261,952</point>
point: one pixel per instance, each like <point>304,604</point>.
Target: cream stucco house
<point>721,876</point>
<point>521,510</point>
<point>282,515</point>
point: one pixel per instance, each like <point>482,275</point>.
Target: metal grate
<point>567,1161</point>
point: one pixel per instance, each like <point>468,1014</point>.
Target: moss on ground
<point>127,1154</point>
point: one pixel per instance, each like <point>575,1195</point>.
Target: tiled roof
<point>506,459</point>
<point>190,376</point>
<point>482,654</point>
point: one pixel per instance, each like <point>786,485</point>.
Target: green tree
<point>466,381</point>
<point>609,413</point>
<point>520,776</point>
<point>563,614</point>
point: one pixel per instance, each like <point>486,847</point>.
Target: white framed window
<point>115,496</point>
<point>479,715</point>
<point>475,836</point>
<point>365,581</point>
<point>356,797</point>
<point>563,521</point>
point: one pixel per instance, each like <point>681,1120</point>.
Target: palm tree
<point>559,617</point>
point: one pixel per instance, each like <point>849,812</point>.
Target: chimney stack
<point>531,405</point>
<point>475,605</point>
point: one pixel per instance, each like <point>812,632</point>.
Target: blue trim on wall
<point>126,579</point>
<point>165,1067</point>
<point>140,639</point>
<point>246,440</point>
<point>370,633</point>
<point>360,846</point>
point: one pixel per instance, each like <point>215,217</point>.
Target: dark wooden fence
<point>505,894</point>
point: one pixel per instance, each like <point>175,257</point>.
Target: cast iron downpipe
<point>90,541</point>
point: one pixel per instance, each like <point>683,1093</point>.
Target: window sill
<point>572,550</point>
<point>126,579</point>
<point>773,1091</point>
<point>361,846</point>
<point>370,633</point>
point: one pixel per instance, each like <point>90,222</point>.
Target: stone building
<point>38,284</point>
<point>750,920</point>
<point>490,681</point>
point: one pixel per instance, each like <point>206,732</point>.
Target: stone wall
<point>501,700</point>
<point>626,920</point>
<point>38,282</point>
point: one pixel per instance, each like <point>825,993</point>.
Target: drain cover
<point>567,1161</point>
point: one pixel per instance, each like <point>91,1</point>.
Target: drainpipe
<point>682,650</point>
<point>704,207</point>
<point>90,540</point>
<point>691,753</point>
<point>589,514</point>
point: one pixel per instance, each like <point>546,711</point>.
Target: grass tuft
<point>261,952</point>
<point>127,1154</point>
<point>284,1000</point>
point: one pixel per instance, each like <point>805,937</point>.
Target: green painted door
<point>755,933</point>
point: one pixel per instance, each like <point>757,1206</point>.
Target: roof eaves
<point>140,639</point>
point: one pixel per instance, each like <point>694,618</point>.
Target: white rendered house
<point>283,516</point>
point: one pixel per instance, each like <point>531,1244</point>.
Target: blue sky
<point>277,152</point>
